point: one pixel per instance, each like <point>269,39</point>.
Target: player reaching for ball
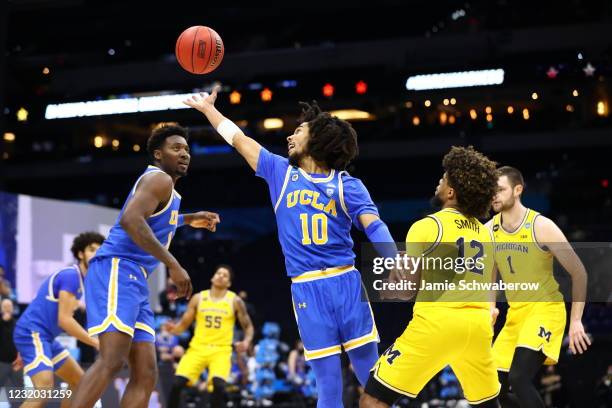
<point>316,202</point>
<point>116,291</point>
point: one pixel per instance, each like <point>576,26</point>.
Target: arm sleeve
<point>357,200</point>
<point>378,233</point>
<point>421,237</point>
<point>272,168</point>
<point>67,280</point>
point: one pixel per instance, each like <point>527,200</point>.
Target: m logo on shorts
<point>545,334</point>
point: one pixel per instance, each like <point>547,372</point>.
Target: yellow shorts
<point>218,360</point>
<point>537,326</point>
<point>437,337</point>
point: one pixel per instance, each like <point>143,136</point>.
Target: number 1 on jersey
<point>318,223</point>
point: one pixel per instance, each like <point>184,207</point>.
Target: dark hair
<point>83,240</point>
<point>229,268</point>
<point>473,177</point>
<point>514,175</point>
<point>332,141</point>
<point>161,132</point>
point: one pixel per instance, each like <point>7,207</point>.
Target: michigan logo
<point>545,334</point>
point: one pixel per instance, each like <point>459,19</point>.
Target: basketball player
<point>316,202</point>
<point>117,297</point>
<point>526,243</point>
<point>215,313</point>
<point>49,314</point>
<point>449,327</point>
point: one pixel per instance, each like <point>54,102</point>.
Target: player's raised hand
<point>578,339</point>
<point>204,219</point>
<point>181,279</point>
<point>203,100</point>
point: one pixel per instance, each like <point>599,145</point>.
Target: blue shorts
<point>38,352</point>
<point>331,313</point>
<point>117,299</point>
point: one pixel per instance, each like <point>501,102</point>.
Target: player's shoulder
<point>351,183</point>
<point>68,272</point>
<point>266,154</point>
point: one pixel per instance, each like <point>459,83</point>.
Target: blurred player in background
<point>526,243</point>
<point>448,327</point>
<point>49,314</point>
<point>316,202</point>
<point>117,295</point>
<point>215,312</point>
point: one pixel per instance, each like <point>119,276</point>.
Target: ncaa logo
<point>527,225</point>
<point>330,191</point>
<point>294,177</point>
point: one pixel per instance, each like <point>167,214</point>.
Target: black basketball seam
<point>210,47</point>
<point>195,37</point>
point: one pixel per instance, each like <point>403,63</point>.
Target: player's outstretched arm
<point>200,219</point>
<point>246,146</point>
<point>153,190</point>
<point>187,317</point>
<point>67,304</point>
<point>548,233</point>
<point>245,323</point>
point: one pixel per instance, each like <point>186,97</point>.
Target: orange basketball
<point>199,50</point>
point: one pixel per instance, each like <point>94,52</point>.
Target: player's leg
<point>363,359</point>
<point>114,352</point>
<point>142,357</point>
<point>143,375</point>
<point>178,385</point>
<point>357,327</point>
<point>539,342</point>
<point>70,372</point>
<point>525,365</point>
<point>474,366</point>
<point>328,374</point>
<point>189,368</point>
<point>218,372</point>
<point>40,379</point>
<point>503,351</point>
<point>506,398</point>
<point>319,331</point>
<point>426,346</point>
<point>114,290</point>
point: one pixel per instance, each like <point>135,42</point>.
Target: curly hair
<point>84,240</point>
<point>473,177</point>
<point>161,132</point>
<point>332,141</point>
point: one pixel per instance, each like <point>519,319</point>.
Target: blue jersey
<point>163,224</point>
<point>314,213</point>
<point>41,314</point>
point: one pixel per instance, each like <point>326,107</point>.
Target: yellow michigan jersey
<point>450,326</point>
<point>536,317</point>
<point>211,345</point>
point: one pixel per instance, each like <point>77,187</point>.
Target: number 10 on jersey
<point>314,229</point>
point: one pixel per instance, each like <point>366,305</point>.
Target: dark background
<point>564,149</point>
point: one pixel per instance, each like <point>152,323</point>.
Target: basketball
<point>199,50</point>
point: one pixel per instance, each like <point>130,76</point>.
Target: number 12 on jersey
<point>314,229</point>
